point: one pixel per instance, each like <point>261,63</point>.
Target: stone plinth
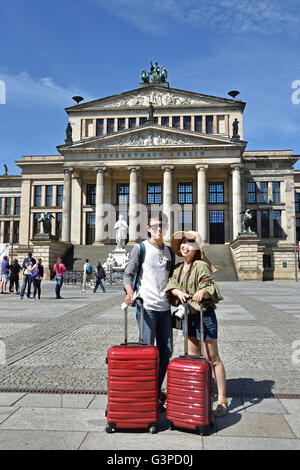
<point>49,250</point>
<point>245,255</point>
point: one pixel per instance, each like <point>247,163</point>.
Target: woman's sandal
<point>222,409</point>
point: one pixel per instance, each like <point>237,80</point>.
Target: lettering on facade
<point>149,155</point>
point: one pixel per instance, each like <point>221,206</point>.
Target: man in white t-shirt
<point>148,280</point>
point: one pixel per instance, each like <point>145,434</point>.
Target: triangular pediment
<point>158,96</point>
<point>151,136</point>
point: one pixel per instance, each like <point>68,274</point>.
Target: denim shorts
<point>209,322</point>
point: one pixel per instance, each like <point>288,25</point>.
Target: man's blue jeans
<point>158,325</point>
<point>27,281</point>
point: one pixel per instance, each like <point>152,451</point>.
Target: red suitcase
<point>132,384</point>
<point>189,387</point>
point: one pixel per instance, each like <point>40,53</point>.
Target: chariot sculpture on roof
<point>157,74</point>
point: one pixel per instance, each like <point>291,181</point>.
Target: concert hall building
<point>182,150</point>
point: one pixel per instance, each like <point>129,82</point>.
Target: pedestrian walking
<point>87,275</point>
<point>27,279</point>
<point>37,275</point>
<point>193,278</point>
<point>59,269</point>
<point>4,274</point>
<point>100,274</point>
<point>14,270</point>
<point>146,275</point>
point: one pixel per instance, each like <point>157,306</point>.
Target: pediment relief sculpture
<point>146,139</point>
<point>156,98</point>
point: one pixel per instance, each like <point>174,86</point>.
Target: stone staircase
<point>219,255</point>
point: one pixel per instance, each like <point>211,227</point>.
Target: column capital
<point>167,167</point>
<point>133,168</point>
<point>202,166</point>
<point>101,169</point>
<point>68,170</point>
<point>236,166</point>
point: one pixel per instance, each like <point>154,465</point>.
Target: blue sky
<point>50,51</point>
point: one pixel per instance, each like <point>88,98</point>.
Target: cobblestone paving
<point>62,345</point>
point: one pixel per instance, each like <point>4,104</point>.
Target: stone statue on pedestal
<point>246,221</point>
<point>46,223</point>
<point>121,232</point>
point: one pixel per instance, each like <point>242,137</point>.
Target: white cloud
<point>24,90</point>
<point>238,16</point>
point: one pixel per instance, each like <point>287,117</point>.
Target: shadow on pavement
<point>246,386</point>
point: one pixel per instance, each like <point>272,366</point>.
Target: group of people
<point>87,276</point>
<point>151,274</point>
<point>33,272</point>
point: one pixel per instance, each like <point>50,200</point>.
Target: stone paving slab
<point>250,443</point>
<point>40,440</point>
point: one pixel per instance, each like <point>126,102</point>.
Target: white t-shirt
<point>154,277</point>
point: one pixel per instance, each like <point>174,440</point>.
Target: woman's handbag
<point>34,273</point>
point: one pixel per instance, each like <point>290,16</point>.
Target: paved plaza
<point>58,349</point>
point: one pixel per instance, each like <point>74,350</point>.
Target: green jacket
<point>200,278</point>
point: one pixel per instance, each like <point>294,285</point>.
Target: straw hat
<point>177,238</point>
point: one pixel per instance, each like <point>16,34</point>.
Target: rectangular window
<point>254,221</point>
<point>216,217</point>
<point>132,122</point>
<point>276,191</point>
<point>251,192</point>
<point>154,193</point>
<point>185,221</point>
<point>121,124</point>
<point>123,194</point>
<point>38,196</point>
<point>156,120</point>
<point>185,193</point>
<point>91,194</point>
<point>143,120</point>
<point>216,193</point>
<point>6,238</point>
<point>198,123</point>
<point>277,224</point>
<point>49,193</point>
<point>265,226</point>
<point>209,124</point>
<point>90,227</point>
<point>1,205</point>
<point>110,126</point>
<point>263,192</point>
<point>7,205</point>
<point>176,122</point>
<point>58,224</point>
<point>17,206</point>
<point>297,202</point>
<point>16,232</point>
<point>99,126</point>
<point>36,223</point>
<point>187,123</point>
<point>59,195</point>
<point>165,121</point>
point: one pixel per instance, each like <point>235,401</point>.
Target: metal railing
<point>76,277</point>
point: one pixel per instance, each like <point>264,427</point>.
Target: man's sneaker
<point>21,297</point>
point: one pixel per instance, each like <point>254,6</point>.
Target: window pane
<point>110,126</point>
<point>121,124</point>
<point>277,223</point>
<point>7,205</point>
<point>185,193</point>
<point>216,217</point>
<point>165,121</point>
<point>38,196</point>
<point>132,122</point>
<point>58,229</point>
<point>49,190</point>
<point>198,123</point>
<point>143,120</point>
<point>187,123</point>
<point>99,126</point>
<point>36,223</point>
<point>263,194</point>
<point>91,194</point>
<point>265,228</point>
<point>123,194</point>
<point>185,220</point>
<point>176,121</point>
<point>297,202</point>
<point>209,124</point>
<point>154,194</point>
<point>276,191</point>
<point>16,232</point>
<point>17,205</point>
<point>90,228</point>
<point>1,205</point>
<point>59,198</point>
<point>216,193</point>
<point>251,192</point>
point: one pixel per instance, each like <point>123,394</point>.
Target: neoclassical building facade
<point>156,145</point>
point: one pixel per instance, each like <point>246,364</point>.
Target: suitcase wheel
<point>110,428</point>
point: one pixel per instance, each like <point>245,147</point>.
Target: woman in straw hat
<point>193,278</point>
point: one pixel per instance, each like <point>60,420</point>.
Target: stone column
<point>167,198</point>
<point>133,201</point>
<point>66,211</point>
<point>202,202</point>
<point>236,199</point>
<point>99,229</point>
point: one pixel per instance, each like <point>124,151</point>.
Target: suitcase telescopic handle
<point>186,333</point>
<point>141,301</point>
<point>125,309</point>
